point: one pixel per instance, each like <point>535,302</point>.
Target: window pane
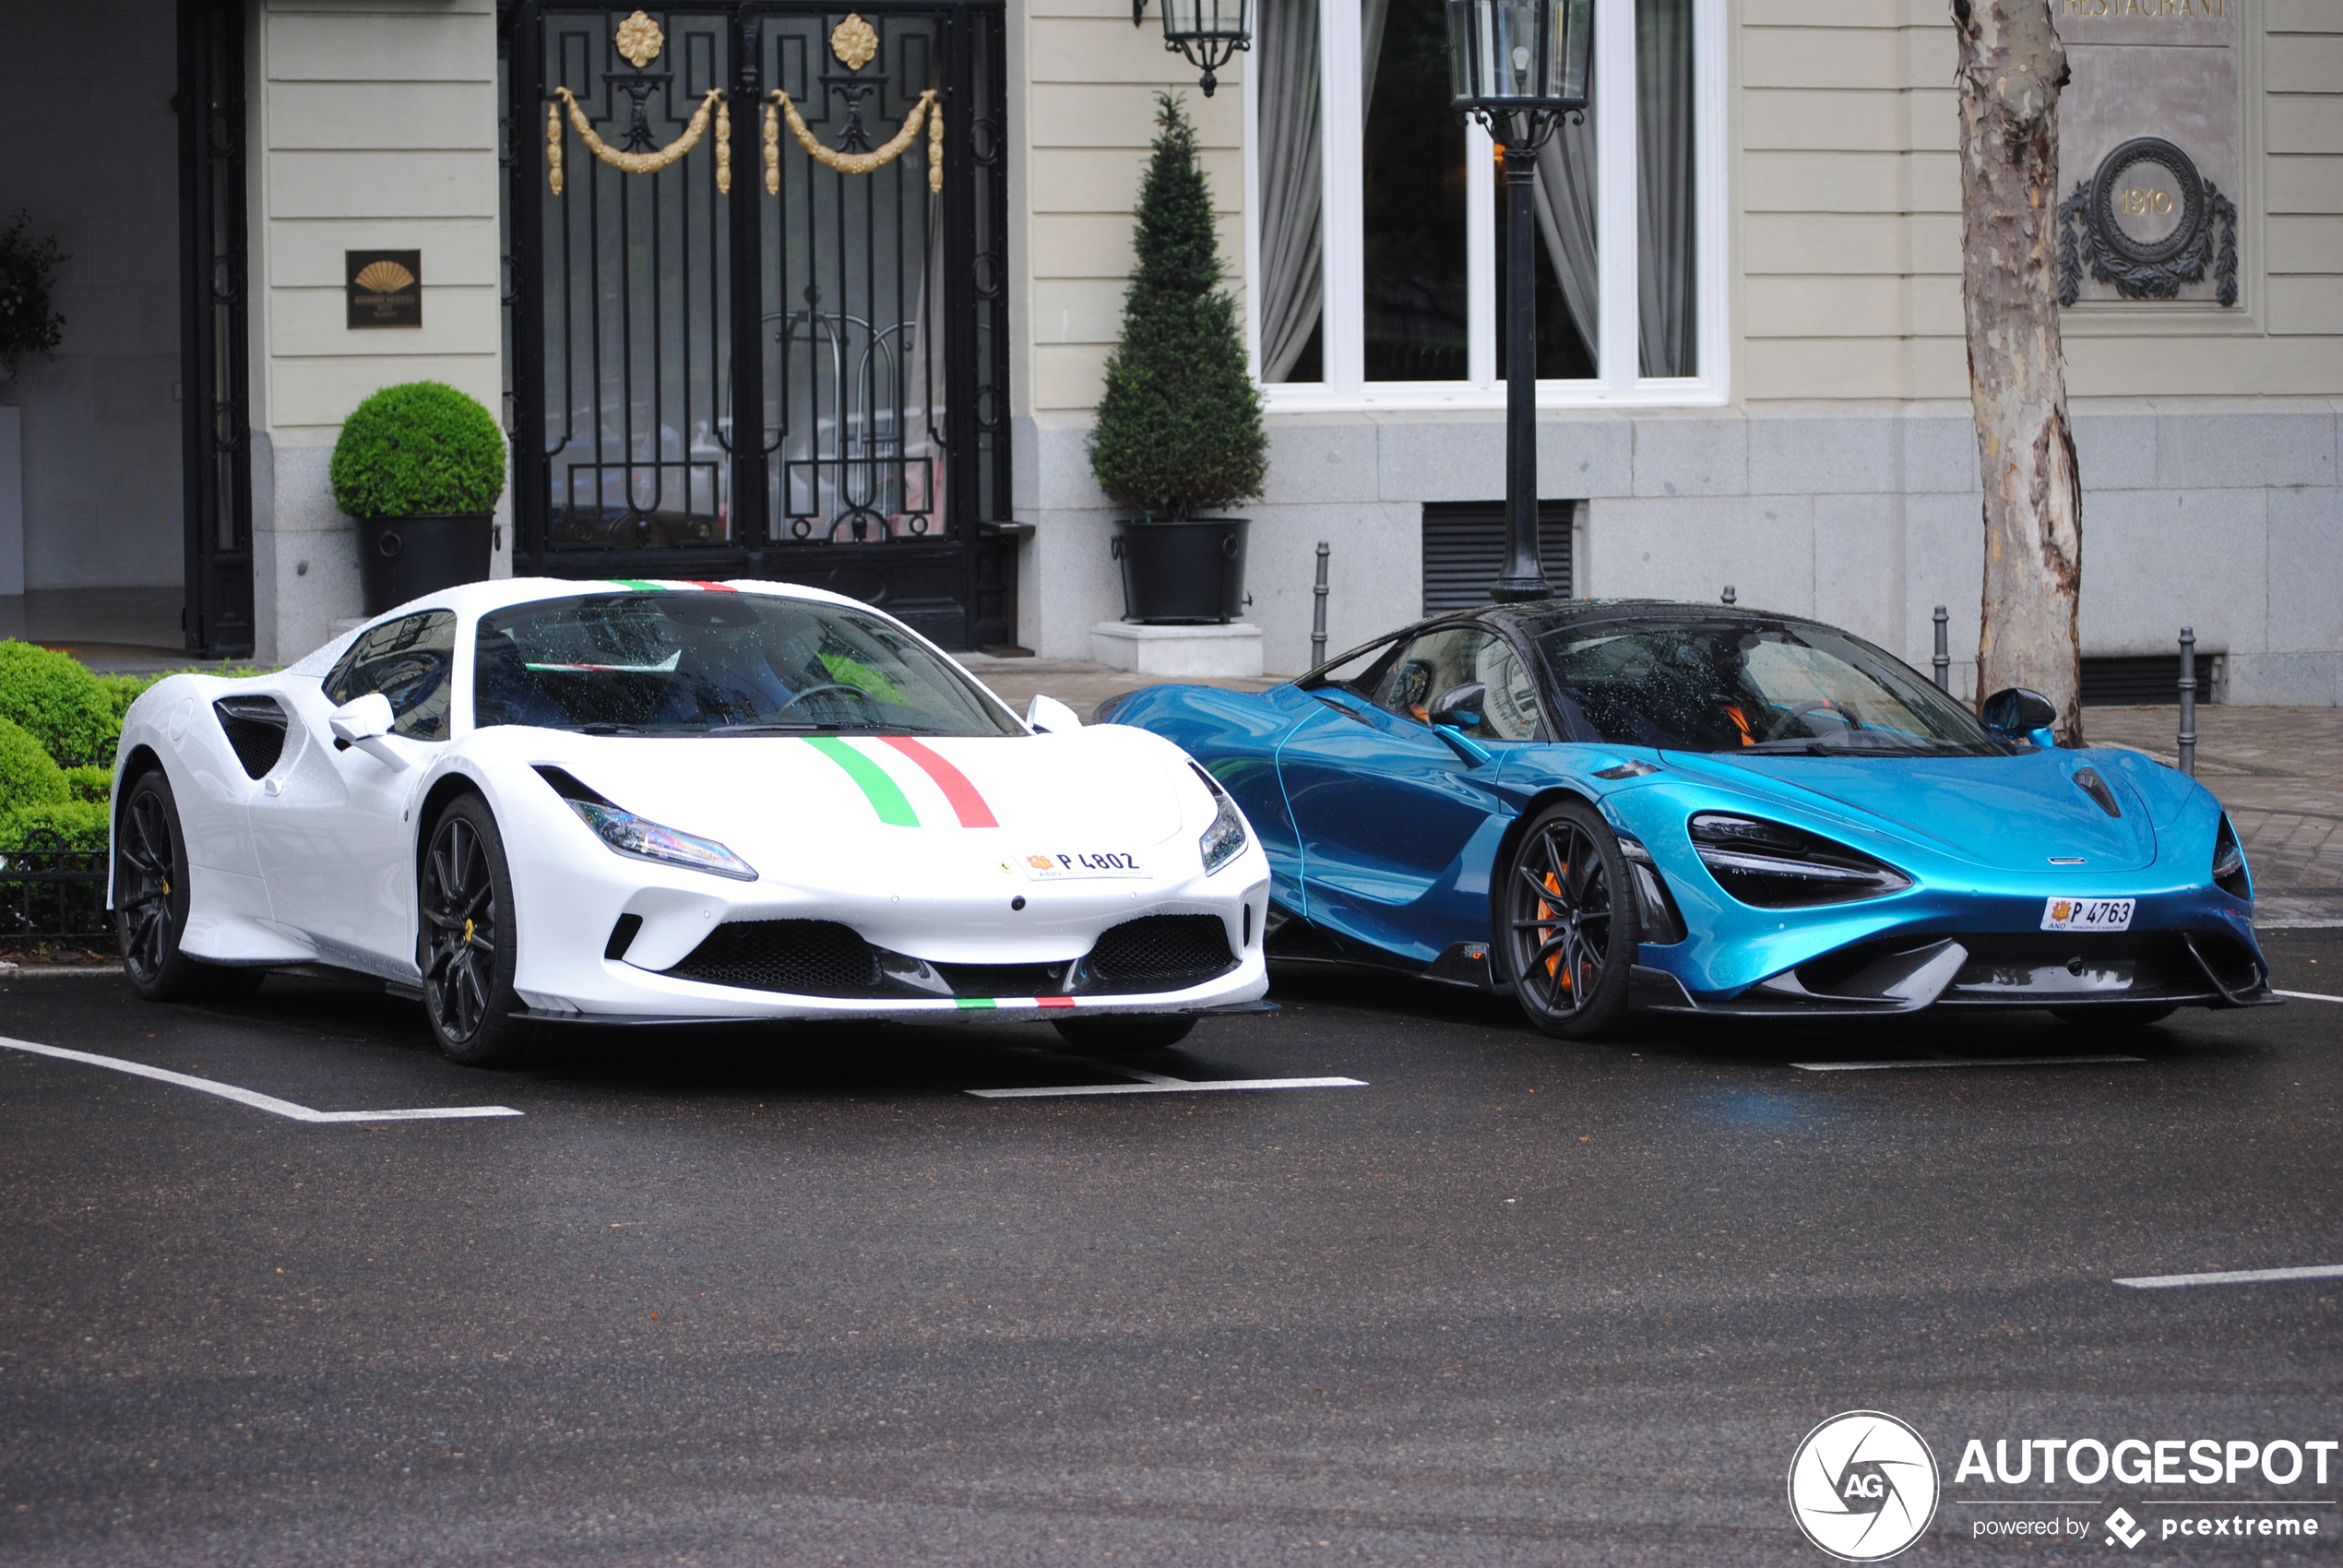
<point>1664,187</point>
<point>1293,194</point>
<point>1417,316</point>
<point>1565,282</point>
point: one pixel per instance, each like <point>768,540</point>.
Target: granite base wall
<point>2225,517</point>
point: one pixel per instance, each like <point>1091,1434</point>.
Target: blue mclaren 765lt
<point>1600,806</point>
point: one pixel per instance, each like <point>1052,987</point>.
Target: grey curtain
<point>1565,193</point>
<point>1664,187</point>
<point>1292,177</point>
<point>1373,13</point>
<point>1566,181</point>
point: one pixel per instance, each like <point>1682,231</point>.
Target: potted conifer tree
<point>419,466</point>
<point>1179,432</point>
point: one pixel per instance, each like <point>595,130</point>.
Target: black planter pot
<point>404,558</point>
<point>1182,572</point>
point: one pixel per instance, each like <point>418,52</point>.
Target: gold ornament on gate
<point>853,41</point>
<point>639,40</point>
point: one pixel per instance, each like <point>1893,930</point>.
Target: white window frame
<point>1616,382</point>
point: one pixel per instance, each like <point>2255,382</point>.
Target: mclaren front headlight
<point>2229,863</point>
<point>1224,840</point>
<point>1774,866</point>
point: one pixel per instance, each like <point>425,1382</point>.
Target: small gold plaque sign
<point>386,288</point>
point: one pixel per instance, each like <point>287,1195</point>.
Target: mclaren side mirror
<point>1460,707</point>
<point>2019,713</point>
<point>1051,716</point>
<point>365,722</point>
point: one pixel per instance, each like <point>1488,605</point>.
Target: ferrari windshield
<point>1736,684</point>
<point>708,662</point>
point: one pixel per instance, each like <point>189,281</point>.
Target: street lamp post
<point>1519,66</point>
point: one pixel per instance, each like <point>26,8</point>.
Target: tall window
<point>1377,270</point>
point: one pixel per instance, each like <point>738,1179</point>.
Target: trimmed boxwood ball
<point>66,709</point>
<point>417,450</point>
<point>1178,430</point>
<point>27,776</point>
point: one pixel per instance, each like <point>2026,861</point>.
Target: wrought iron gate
<point>215,444</point>
<point>776,346</point>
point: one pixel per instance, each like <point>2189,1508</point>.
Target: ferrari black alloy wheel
<point>1568,922</point>
<point>468,954</point>
<point>150,899</point>
<point>1119,1035</point>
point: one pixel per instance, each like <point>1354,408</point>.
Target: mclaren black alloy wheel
<point>1115,1037</point>
<point>151,894</point>
<point>1566,922</point>
<point>469,957</point>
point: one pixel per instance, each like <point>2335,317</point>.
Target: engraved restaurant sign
<point>2148,146</point>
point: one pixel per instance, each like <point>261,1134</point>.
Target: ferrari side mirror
<point>365,722</point>
<point>1460,707</point>
<point>1051,716</point>
<point>2019,713</point>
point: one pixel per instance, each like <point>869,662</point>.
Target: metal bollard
<point>1943,659</point>
<point>2188,701</point>
<point>1318,611</point>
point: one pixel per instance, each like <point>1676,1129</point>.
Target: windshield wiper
<point>1838,746</point>
<point>598,728</point>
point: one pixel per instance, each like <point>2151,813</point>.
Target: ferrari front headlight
<point>645,840</point>
<point>1224,839</point>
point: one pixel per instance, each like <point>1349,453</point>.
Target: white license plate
<point>2089,914</point>
<point>1073,865</point>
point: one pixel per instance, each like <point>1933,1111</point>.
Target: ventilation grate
<point>2134,679</point>
<point>1464,551</point>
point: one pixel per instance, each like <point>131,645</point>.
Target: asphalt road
<point>769,1298</point>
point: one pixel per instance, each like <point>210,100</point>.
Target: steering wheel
<point>855,692</point>
<point>1814,705</point>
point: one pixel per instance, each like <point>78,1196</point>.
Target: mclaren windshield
<point>708,662</point>
<point>1743,684</point>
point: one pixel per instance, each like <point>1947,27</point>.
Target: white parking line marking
<point>1156,1084</point>
<point>269,1104</point>
<point>2306,995</point>
<point>1963,1061</point>
<point>2233,1276</point>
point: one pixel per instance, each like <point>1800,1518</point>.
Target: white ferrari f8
<point>537,801</point>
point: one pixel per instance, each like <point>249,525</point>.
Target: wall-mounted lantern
<point>1208,32</point>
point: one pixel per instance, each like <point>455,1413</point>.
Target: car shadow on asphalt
<point>2191,1034</point>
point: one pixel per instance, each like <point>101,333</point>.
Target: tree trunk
<point>2012,65</point>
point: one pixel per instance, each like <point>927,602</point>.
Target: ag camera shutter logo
<point>1862,1486</point>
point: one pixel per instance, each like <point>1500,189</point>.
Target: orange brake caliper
<point>1545,911</point>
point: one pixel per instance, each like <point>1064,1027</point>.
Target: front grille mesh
<point>803,957</point>
<point>1161,953</point>
<point>827,958</point>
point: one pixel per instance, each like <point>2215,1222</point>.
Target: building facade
<point>826,342</point>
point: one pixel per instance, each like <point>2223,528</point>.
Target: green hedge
<point>417,450</point>
<point>80,823</point>
<point>67,709</point>
<point>27,776</point>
